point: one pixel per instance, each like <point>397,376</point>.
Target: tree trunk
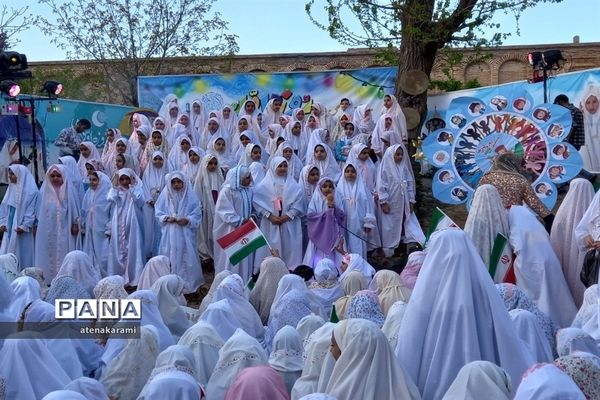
<point>414,55</point>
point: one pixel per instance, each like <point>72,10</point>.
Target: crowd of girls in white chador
<point>174,185</point>
<point>143,215</point>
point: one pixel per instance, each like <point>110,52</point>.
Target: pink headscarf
<point>259,382</point>
<point>411,270</point>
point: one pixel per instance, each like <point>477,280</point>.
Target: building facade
<point>84,80</point>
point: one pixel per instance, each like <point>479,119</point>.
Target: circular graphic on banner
<point>498,103</point>
<point>543,190</point>
<point>478,131</point>
<point>560,152</point>
<point>555,131</point>
<point>459,193</point>
<point>447,177</point>
<point>521,104</point>
<point>441,158</point>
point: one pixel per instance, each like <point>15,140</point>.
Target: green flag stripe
<point>436,217</point>
<point>247,250</point>
<point>499,244</point>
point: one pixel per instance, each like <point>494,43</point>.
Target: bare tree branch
<point>12,22</point>
<point>140,34</point>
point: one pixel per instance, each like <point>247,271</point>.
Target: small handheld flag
<point>243,241</point>
<point>333,317</point>
<point>500,258</point>
<point>439,220</point>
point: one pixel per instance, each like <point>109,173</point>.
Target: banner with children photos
<point>297,89</point>
<point>52,117</point>
<point>466,129</point>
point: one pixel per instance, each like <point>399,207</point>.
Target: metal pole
<point>34,153</point>
<point>19,139</point>
<point>545,85</point>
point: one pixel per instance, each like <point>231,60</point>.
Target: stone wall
<point>84,79</point>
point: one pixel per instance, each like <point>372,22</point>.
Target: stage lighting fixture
<point>536,59</point>
<point>53,88</point>
<point>11,61</point>
<point>10,88</point>
<point>552,59</point>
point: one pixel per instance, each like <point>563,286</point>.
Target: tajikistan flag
<point>242,242</point>
<point>439,220</point>
<point>500,258</point>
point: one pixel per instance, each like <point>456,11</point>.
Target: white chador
<point>359,210</point>
<point>17,211</point>
<point>563,237</point>
<point>537,268</point>
<point>233,208</point>
<point>280,197</point>
<point>396,187</point>
<point>591,115</point>
<point>207,186</point>
<point>59,211</point>
<point>178,212</point>
<point>96,217</point>
<point>125,253</point>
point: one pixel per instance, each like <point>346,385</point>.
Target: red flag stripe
<point>237,234</point>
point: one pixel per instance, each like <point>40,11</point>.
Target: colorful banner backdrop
<point>466,129</point>
<point>52,117</point>
<point>298,89</point>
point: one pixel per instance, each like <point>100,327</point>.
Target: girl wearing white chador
<point>480,380</point>
<point>125,250</point>
<point>537,268</point>
<point>154,182</point>
<point>212,130</point>
<point>359,157</point>
<point>562,237</point>
<point>256,166</point>
<point>396,189</point>
<point>125,376</point>
<point>367,367</point>
<point>30,369</point>
<point>591,124</point>
<point>455,293</point>
<point>239,351</point>
<point>323,158</point>
<point>178,211</point>
<point>207,186</point>
<point>17,215</point>
<point>359,210</point>
<point>316,351</point>
<point>295,165</point>
<point>220,149</point>
<point>233,208</point>
<point>94,155</point>
<point>392,108</point>
<point>96,216</point>
<point>59,218</point>
<point>178,155</point>
<point>73,175</point>
<point>279,200</point>
<point>487,218</point>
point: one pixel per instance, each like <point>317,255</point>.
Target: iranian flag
<point>242,242</point>
<point>439,220</point>
<point>500,258</point>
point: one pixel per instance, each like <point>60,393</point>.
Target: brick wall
<point>508,63</point>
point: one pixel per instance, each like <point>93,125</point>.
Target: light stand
<point>544,62</point>
<point>34,152</point>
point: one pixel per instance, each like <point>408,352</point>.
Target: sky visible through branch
<point>282,26</point>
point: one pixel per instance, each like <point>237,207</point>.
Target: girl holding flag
<point>233,208</point>
<point>279,200</point>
